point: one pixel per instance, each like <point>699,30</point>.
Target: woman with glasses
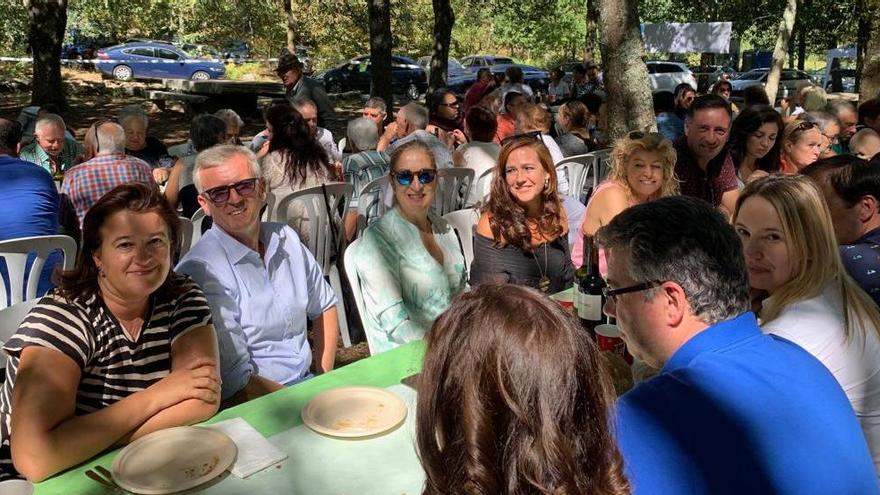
<point>445,111</point>
<point>296,161</point>
<point>122,348</point>
<point>723,88</point>
<point>755,143</point>
<point>801,146</point>
<point>829,126</point>
<point>642,169</point>
<point>532,418</point>
<point>804,293</point>
<point>522,234</point>
<point>410,263</point>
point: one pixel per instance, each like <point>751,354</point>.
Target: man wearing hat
<point>299,87</point>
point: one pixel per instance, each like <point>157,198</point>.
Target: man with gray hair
<point>85,183</point>
<point>50,149</point>
<point>362,165</point>
<point>848,118</point>
<point>410,124</point>
<point>309,112</point>
<point>732,410</point>
<point>376,110</point>
<point>261,282</point>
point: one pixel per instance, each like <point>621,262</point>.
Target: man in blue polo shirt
<point>732,410</point>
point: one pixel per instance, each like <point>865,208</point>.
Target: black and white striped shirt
<point>112,365</point>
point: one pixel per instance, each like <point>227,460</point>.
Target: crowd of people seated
<point>739,245</point>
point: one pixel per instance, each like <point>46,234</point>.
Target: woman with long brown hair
<point>524,410</point>
<point>522,234</point>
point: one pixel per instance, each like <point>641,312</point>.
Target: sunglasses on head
<point>220,195</point>
<point>531,135</point>
<point>405,177</point>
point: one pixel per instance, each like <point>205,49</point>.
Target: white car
<point>665,76</point>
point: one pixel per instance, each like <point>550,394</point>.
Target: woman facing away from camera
<point>506,406</point>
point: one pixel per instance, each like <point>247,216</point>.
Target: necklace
<point>544,281</point>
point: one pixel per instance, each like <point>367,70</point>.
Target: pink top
<point>577,252</point>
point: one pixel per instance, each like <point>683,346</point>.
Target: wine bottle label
<point>590,307</point>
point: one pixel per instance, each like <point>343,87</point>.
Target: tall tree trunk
<point>444,19</point>
<point>380,52</point>
<point>591,48</point>
<point>869,51</point>
<point>47,20</point>
<point>630,105</point>
<point>291,26</point>
<point>801,48</point>
<point>786,25</point>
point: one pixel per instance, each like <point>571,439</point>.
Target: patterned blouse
<point>404,287</point>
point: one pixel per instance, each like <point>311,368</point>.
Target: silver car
<point>788,82</point>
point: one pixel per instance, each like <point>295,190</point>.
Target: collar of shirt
<point>236,251</point>
<point>869,237</point>
<point>713,338</point>
<point>715,165</point>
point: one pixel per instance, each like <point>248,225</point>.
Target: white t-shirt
<point>817,326</point>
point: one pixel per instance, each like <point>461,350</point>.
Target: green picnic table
<point>315,463</point>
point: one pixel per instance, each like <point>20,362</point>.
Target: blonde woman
<point>801,146</point>
<point>642,169</point>
<point>804,293</point>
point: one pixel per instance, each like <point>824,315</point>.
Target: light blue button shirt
<point>259,305</point>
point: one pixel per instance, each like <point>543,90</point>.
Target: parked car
<point>236,50</point>
<point>458,78</point>
<point>665,76</point>
<point>537,78</point>
<point>789,80</point>
<point>206,52</point>
<point>407,77</point>
<point>155,60</point>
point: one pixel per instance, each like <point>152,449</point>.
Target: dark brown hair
<point>507,217</point>
<point>301,152</point>
<point>482,123</point>
<point>82,281</point>
<point>513,398</point>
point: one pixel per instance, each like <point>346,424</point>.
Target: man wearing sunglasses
<point>732,410</point>
<point>261,282</point>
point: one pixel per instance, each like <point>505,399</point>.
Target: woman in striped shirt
<point>122,348</point>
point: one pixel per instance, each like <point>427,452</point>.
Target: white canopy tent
<point>691,37</point>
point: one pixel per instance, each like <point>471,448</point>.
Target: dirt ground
<point>92,99</point>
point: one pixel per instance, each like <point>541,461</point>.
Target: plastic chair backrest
<point>453,189</point>
<point>463,222</point>
<point>16,251</point>
<point>10,320</point>
<point>484,184</point>
<point>186,235</point>
<point>371,203</point>
<point>602,163</point>
<point>197,219</point>
<point>320,230</point>
<point>576,169</point>
<point>351,260</point>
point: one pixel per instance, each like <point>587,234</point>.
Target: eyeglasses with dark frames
<point>220,195</point>
<point>405,177</point>
<point>611,294</point>
<point>531,136</point>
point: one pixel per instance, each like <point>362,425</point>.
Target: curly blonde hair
<point>651,142</point>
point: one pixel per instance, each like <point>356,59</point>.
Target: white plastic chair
<point>186,235</point>
<point>10,319</point>
<point>483,185</point>
<point>351,260</point>
<point>576,169</point>
<point>601,159</point>
<point>371,203</point>
<point>340,145</point>
<point>453,189</point>
<point>197,219</point>
<point>320,233</point>
<point>463,222</point>
<point>16,251</point>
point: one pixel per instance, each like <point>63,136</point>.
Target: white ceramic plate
<point>172,460</point>
<point>352,412</point>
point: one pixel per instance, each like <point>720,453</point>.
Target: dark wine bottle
<point>589,294</point>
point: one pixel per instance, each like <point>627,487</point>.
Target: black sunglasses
<point>531,135</point>
<point>405,177</point>
<point>611,294</point>
<point>220,195</point>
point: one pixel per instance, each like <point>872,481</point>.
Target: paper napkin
<point>255,453</point>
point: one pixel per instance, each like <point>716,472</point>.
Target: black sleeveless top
<point>511,264</point>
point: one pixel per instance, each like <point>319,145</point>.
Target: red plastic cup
<point>608,339</point>
<point>565,299</point>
